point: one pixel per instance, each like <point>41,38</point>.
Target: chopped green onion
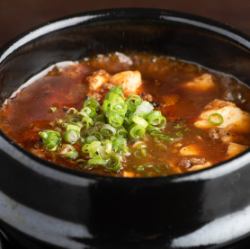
<point>100,118</point>
<point>163,137</point>
<point>153,130</point>
<point>115,119</point>
<point>140,149</point>
<point>107,130</point>
<point>120,144</point>
<point>179,134</point>
<point>114,163</point>
<point>140,168</point>
<point>132,102</point>
<point>179,126</point>
<point>97,161</point>
<point>117,90</point>
<point>144,108</point>
<point>90,107</point>
<point>88,112</point>
<point>87,122</point>
<point>90,139</point>
<point>93,149</point>
<point>71,136</point>
<point>72,133</point>
<point>137,131</point>
<point>51,139</point>
<point>155,118</point>
<point>74,127</point>
<point>121,131</point>
<point>120,108</point>
<point>68,151</point>
<point>140,121</point>
<point>91,103</point>
<point>103,131</point>
<point>216,119</point>
<point>158,134</point>
<point>111,100</point>
<point>106,106</point>
<point>72,110</point>
<point>107,148</point>
<point>92,131</point>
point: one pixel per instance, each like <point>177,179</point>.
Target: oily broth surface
<point>25,115</point>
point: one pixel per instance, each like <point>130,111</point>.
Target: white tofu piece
<point>190,150</point>
<point>98,79</point>
<point>130,81</point>
<point>200,166</point>
<point>123,58</point>
<point>201,83</point>
<point>234,119</point>
<point>235,149</point>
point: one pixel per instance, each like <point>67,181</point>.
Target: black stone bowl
<point>42,205</point>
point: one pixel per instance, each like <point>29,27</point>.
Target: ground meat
<point>185,163</point>
<point>147,97</point>
<point>216,133</point>
<point>96,95</point>
<point>98,79</point>
<point>196,161</point>
<point>189,162</point>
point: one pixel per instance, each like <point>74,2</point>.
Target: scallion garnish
<point>51,139</point>
<point>140,121</point>
<point>144,108</point>
<point>155,118</point>
<point>115,119</point>
<point>215,119</point>
<point>103,131</point>
<point>140,149</point>
<point>71,136</point>
<point>132,102</point>
<point>137,131</point>
<point>68,151</point>
<point>107,131</point>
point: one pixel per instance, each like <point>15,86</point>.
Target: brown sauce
<point>163,81</point>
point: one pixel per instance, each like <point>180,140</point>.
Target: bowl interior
<point>167,33</point>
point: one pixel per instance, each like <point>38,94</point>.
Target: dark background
<point>17,16</point>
